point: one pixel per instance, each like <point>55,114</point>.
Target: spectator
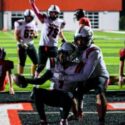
<point>5,72</point>
<point>25,32</point>
<point>52,29</point>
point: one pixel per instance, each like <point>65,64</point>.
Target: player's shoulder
<point>20,22</point>
<point>92,49</point>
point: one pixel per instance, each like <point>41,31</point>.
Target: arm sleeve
<point>87,70</point>
<point>38,81</point>
<point>37,12</point>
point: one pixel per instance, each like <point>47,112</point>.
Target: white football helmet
<point>53,12</point>
<point>84,38</point>
<point>66,53</point>
<point>29,15</point>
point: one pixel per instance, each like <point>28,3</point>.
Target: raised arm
<point>36,11</point>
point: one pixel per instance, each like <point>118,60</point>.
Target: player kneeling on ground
<point>62,94</point>
<point>94,74</point>
<point>5,72</point>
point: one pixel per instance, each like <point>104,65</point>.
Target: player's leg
<point>52,55</point>
<point>101,107</point>
<point>31,51</point>
<point>22,53</point>
<point>101,101</point>
<point>53,98</point>
<point>42,60</point>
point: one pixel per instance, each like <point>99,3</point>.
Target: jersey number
<point>53,32</point>
<point>27,33</point>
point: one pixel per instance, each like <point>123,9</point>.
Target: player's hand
<point>11,91</point>
<point>23,45</point>
<point>32,1</point>
<point>58,76</point>
<point>20,81</point>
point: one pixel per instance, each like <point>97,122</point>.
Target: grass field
<point>109,42</point>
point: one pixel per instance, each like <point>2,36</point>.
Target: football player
<point>94,74</point>
<point>80,15</point>
<point>121,66</point>
<point>25,32</point>
<point>52,30</point>
<point>62,93</point>
<point>5,72</point>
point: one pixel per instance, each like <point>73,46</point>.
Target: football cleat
<point>20,81</point>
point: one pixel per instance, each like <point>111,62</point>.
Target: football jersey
<point>5,65</point>
<point>50,31</point>
<point>71,69</point>
<point>25,30</point>
<point>85,21</point>
<point>94,65</point>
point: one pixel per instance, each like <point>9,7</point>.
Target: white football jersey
<point>25,30</point>
<point>50,32</point>
<point>94,65</point>
<point>66,85</point>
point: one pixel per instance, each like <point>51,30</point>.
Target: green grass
<point>110,43</point>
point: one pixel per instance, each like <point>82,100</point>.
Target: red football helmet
<point>122,52</point>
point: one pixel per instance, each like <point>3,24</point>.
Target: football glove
<point>20,81</point>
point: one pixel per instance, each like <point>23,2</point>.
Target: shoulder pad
<point>91,50</point>
<point>20,22</point>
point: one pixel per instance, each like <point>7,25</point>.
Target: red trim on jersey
<point>89,51</point>
<point>79,67</point>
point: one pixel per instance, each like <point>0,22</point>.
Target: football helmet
<point>66,53</point>
<point>2,53</point>
<point>79,13</point>
<point>85,38</point>
<point>53,12</point>
<point>29,15</point>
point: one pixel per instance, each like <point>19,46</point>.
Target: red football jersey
<point>5,65</point>
<point>85,20</point>
<point>122,52</point>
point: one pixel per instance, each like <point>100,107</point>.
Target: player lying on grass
<point>62,94</point>
<point>5,72</point>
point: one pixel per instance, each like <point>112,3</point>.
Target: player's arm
<point>36,10</point>
<point>61,34</point>
<point>87,70</point>
<point>22,82</point>
<point>17,35</point>
<point>11,90</point>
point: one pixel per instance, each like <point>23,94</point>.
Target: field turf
<point>109,42</point>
